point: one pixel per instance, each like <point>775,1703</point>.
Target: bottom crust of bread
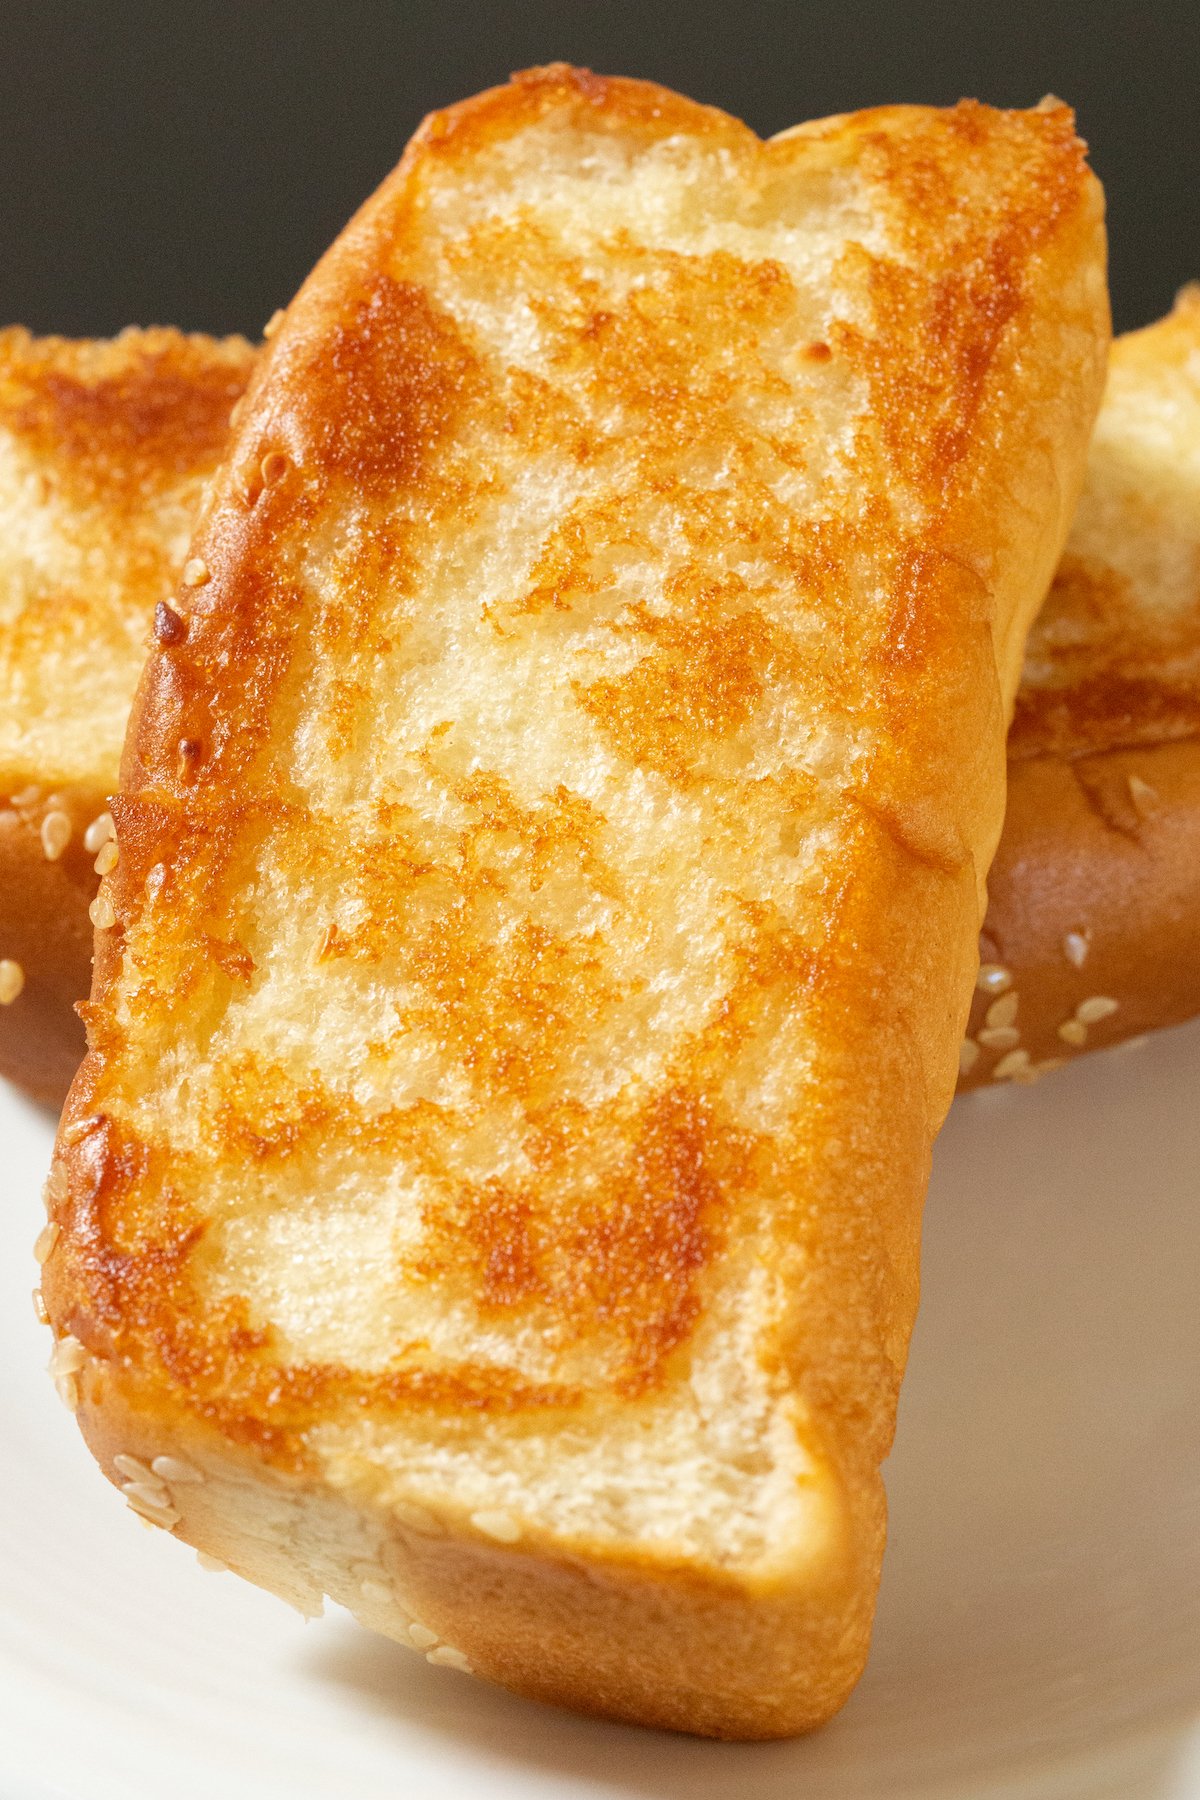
<point>703,1652</point>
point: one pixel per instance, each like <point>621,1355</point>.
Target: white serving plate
<point>1039,1626</point>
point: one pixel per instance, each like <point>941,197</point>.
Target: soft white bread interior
<point>552,841</point>
<point>1093,927</point>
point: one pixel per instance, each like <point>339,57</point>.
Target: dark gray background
<point>165,162</point>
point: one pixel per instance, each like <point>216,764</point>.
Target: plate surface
<point>1039,1626</point>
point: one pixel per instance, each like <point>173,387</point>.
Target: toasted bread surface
<point>552,843</point>
<point>1094,893</point>
<point>104,450</point>
<point>1093,927</point>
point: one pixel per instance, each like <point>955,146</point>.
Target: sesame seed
<point>212,1563</point>
<point>273,323</point>
<point>274,466</point>
<point>99,832</point>
<point>40,1310</point>
<point>1073,1032</point>
<point>1076,945</point>
<point>108,858</point>
<point>993,978</point>
<point>55,834</point>
<point>147,1495</point>
<point>377,1592</point>
<point>67,1389</point>
<point>195,572</point>
<point>28,796</point>
<point>447,1657</point>
<point>500,1525</point>
<point>1015,1063</point>
<point>173,1468</point>
<point>101,913</point>
<point>45,1241</point>
<point>1099,1006</point>
<point>12,980</point>
<point>132,1467</point>
<point>1000,1037</point>
<point>422,1637</point>
<point>67,1357</point>
<point>164,1516</point>
<point>968,1056</point>
<point>1144,797</point>
<point>1003,1011</point>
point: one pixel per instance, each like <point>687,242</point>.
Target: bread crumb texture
<point>550,868</point>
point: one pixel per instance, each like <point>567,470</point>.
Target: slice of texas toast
<point>104,450</point>
<point>1093,927</point>
<point>552,842</point>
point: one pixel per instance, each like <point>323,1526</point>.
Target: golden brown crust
<point>104,450</point>
<point>623,1025</point>
<point>1093,927</point>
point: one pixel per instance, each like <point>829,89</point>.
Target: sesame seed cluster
<point>1001,1030</point>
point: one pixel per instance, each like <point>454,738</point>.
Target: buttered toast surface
<point>104,451</point>
<point>551,852</point>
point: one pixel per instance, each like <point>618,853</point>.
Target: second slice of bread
<point>104,452</point>
<point>1093,927</point>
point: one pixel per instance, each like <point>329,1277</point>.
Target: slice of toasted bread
<point>1091,897</point>
<point>1093,927</point>
<point>552,841</point>
<point>104,450</point>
